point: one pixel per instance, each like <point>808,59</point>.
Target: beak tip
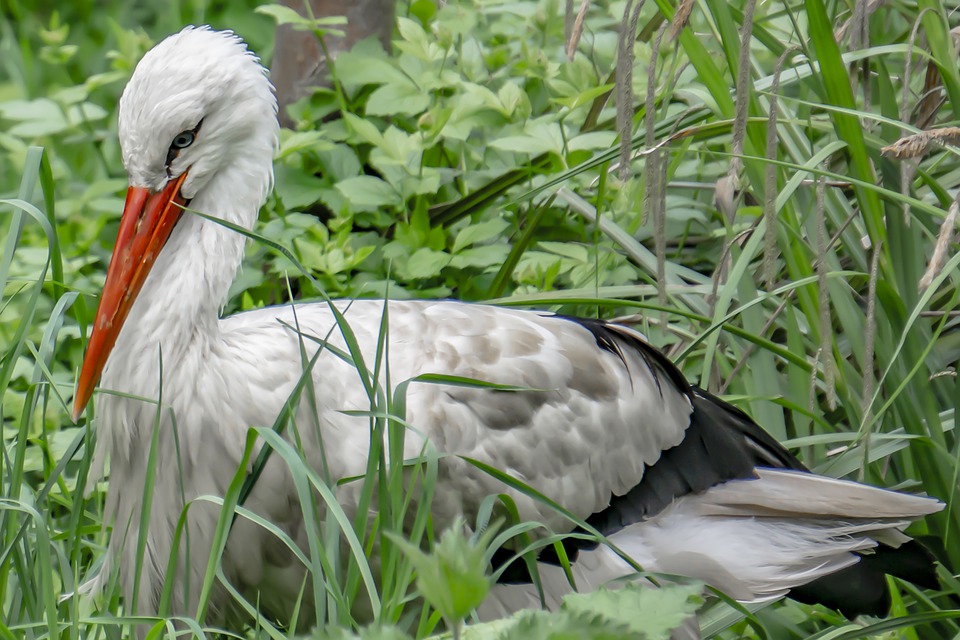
<point>80,399</point>
<point>77,412</point>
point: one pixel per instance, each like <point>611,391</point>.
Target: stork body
<point>608,428</point>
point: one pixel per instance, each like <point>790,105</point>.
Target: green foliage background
<point>478,161</point>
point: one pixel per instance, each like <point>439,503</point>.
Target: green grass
<point>487,171</point>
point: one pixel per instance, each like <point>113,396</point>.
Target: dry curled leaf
<point>940,250</point>
<point>725,195</point>
<point>576,30</point>
<point>681,17</point>
<point>843,30</point>
<point>931,98</point>
<point>920,144</point>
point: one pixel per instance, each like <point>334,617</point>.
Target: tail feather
<point>784,532</point>
<point>785,493</point>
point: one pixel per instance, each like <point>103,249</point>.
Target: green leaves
<point>367,633</point>
<point>367,193</point>
<point>540,137</point>
<point>425,263</point>
<point>399,98</point>
<point>452,577</point>
<point>43,117</point>
<point>650,613</point>
<point>477,233</point>
<point>565,625</point>
<point>285,15</point>
<point>635,612</point>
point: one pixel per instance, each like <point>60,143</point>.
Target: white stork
<point>681,481</point>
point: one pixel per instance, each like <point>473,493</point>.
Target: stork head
<point>199,103</point>
<point>195,101</point>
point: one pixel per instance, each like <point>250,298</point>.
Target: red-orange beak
<point>146,224</point>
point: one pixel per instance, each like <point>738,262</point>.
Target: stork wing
<point>601,423</point>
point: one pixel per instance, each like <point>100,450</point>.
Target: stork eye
<point>183,140</point>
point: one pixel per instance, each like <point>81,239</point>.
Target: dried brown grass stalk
<point>576,29</point>
<point>812,396</point>
<point>651,177</point>
<point>859,36</point>
<point>659,226</point>
<point>908,69</point>
<point>826,333</point>
<point>932,96</point>
<point>920,144</point>
<point>860,39</point>
<point>681,17</point>
<point>770,249</point>
<point>726,192</point>
<point>650,101</point>
<point>743,88</point>
<point>625,47</point>
<point>943,243</point>
<point>870,335</point>
<point>856,20</point>
<point>728,188</point>
<point>655,171</point>
<point>908,169</point>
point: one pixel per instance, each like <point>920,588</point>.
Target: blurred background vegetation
<point>718,179</point>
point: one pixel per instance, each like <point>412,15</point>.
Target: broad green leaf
<point>282,14</point>
<point>34,118</point>
<point>85,112</point>
<point>480,257</point>
<point>340,162</point>
<point>650,612</point>
<point>480,232</point>
<point>576,252</point>
<point>426,263</point>
<point>512,99</point>
<point>285,15</point>
<point>367,131</point>
<point>423,10</point>
<point>525,144</point>
<point>397,98</point>
<point>586,97</point>
<point>412,32</point>
<point>538,138</point>
<point>368,191</point>
<point>374,632</point>
<point>40,109</point>
<point>566,625</point>
<point>367,63</point>
<point>294,142</point>
<point>452,577</point>
<point>592,140</point>
<point>297,188</point>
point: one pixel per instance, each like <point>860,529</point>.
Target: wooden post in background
<point>298,61</point>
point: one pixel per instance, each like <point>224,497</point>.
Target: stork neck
<point>179,305</point>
